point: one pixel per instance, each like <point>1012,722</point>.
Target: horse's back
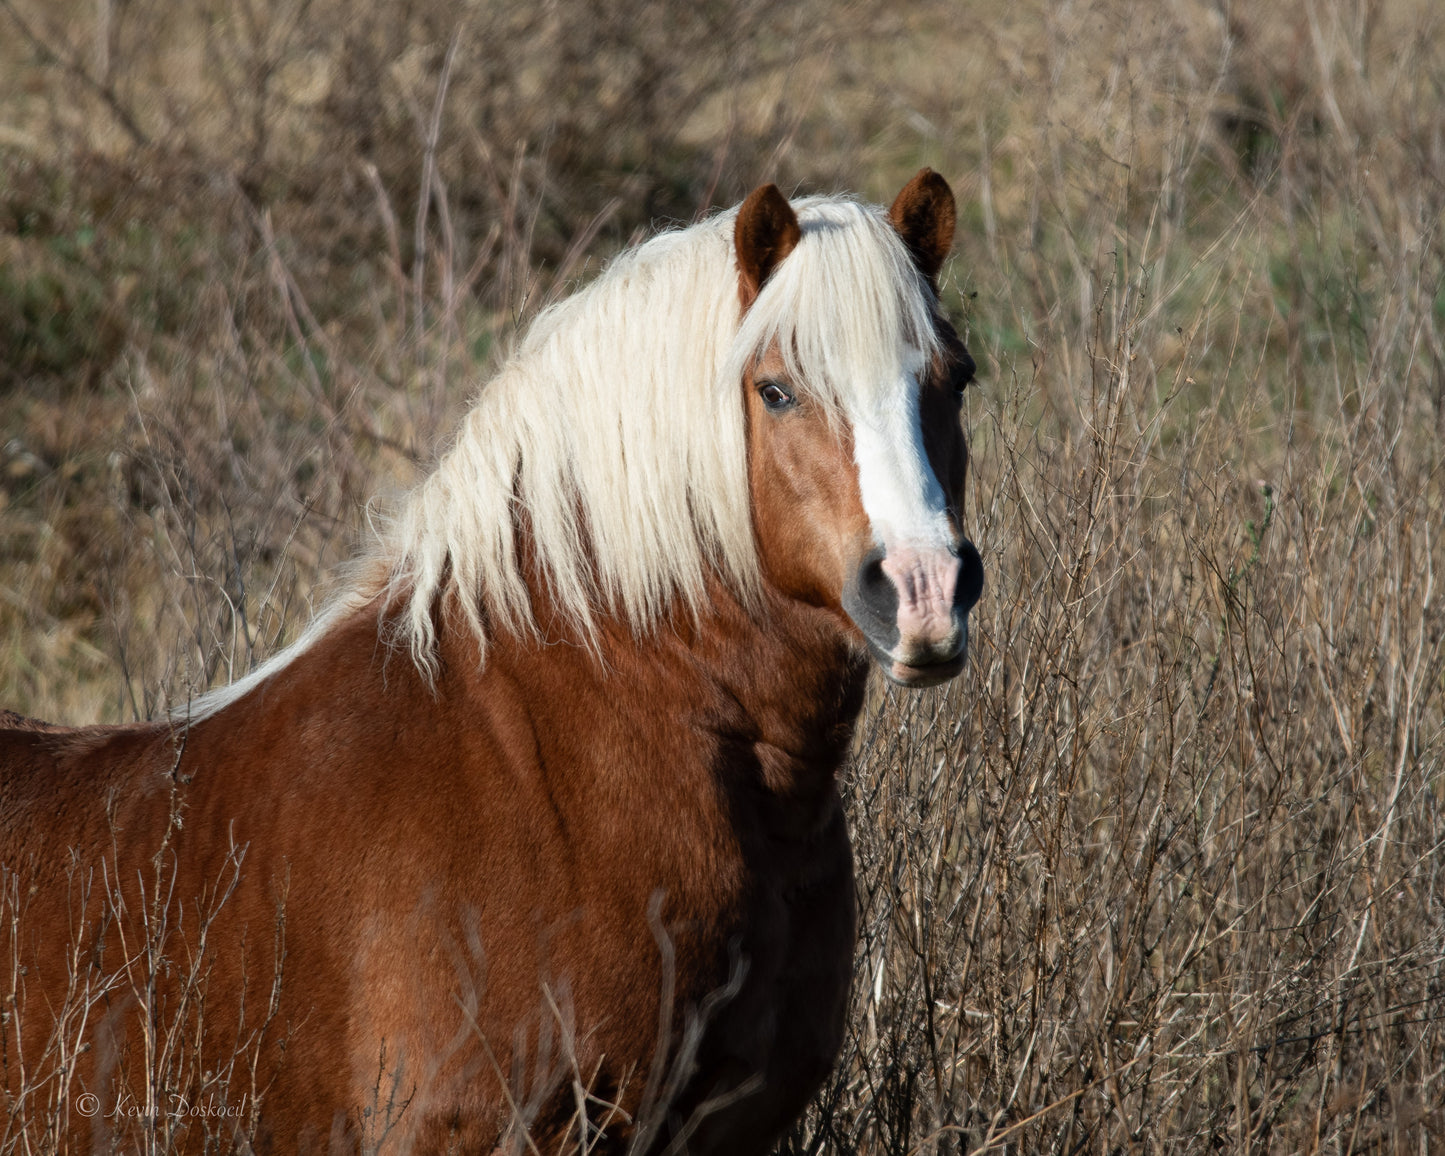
<point>10,721</point>
<point>60,781</point>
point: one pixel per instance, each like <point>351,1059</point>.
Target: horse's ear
<point>766,231</point>
<point>924,215</point>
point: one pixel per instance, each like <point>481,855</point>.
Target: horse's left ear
<point>767,230</point>
<point>924,214</point>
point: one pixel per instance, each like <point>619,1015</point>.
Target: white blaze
<point>908,513</point>
<point>901,496</point>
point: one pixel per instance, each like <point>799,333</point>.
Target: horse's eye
<point>775,397</point>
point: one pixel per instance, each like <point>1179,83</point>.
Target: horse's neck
<point>796,682</point>
<point>780,688</point>
<point>765,697</point>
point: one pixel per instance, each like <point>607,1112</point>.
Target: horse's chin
<point>918,677</point>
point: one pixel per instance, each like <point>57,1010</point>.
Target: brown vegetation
<point>1160,872</point>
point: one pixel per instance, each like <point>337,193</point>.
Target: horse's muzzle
<point>912,606</point>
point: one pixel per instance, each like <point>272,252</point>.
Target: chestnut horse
<point>533,839</point>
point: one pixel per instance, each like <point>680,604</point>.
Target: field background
<point>1162,871</point>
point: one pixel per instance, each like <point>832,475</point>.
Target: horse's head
<point>857,484</point>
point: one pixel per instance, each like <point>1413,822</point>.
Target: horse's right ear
<point>767,230</point>
<point>924,214</point>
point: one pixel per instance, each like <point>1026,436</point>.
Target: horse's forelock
<point>848,311</point>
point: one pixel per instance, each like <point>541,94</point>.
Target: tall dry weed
<point>1161,873</point>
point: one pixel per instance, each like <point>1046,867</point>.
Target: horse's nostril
<point>871,576</point>
<point>970,577</point>
<point>871,600</point>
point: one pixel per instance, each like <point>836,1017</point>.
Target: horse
<point>532,840</point>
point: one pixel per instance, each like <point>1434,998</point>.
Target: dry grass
<point>1161,871</point>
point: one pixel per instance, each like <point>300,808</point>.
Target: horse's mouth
<point>931,646</point>
<point>917,677</point>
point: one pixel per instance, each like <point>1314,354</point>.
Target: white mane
<point>616,432</point>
